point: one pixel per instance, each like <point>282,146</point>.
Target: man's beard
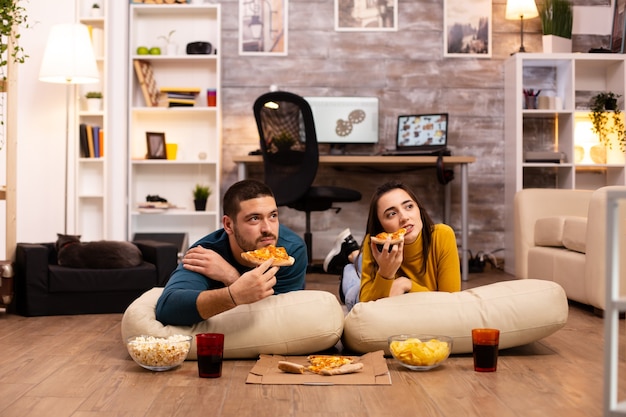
<point>247,245</point>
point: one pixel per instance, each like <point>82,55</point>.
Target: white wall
<point>41,130</point>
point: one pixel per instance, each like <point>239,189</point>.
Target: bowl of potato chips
<point>420,352</point>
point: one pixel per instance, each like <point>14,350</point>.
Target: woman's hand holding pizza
<point>389,258</point>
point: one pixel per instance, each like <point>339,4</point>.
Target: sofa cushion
<point>524,310</point>
<point>575,233</point>
<point>62,279</point>
<point>549,231</point>
<point>295,323</point>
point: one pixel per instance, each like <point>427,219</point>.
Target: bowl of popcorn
<point>420,352</point>
<point>159,353</point>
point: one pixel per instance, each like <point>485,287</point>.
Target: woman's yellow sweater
<point>443,270</point>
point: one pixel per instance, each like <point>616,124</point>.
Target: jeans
<point>351,282</point>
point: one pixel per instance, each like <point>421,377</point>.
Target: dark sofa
<point>43,288</point>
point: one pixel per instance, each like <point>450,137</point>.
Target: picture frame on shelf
<point>458,15</point>
<point>366,16</point>
<point>619,22</point>
<point>156,145</point>
<point>263,27</point>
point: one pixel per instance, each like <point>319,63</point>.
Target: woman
<point>426,259</point>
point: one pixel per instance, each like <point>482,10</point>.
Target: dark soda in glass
<point>485,358</point>
<point>210,366</point>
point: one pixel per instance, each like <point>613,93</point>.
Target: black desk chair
<point>290,157</point>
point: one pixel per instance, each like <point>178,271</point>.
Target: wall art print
<point>263,27</point>
<point>467,28</point>
<point>366,15</point>
<point>617,34</point>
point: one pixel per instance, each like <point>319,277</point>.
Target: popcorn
<point>159,351</point>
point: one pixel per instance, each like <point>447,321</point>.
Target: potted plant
<point>170,47</point>
<point>610,130</point>
<point>94,100</point>
<point>96,11</point>
<point>557,18</point>
<point>201,194</point>
<point>12,16</point>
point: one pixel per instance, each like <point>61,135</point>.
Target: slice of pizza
<point>396,237</point>
<point>279,254</point>
<point>333,365</point>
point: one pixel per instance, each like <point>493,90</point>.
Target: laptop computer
<point>421,134</point>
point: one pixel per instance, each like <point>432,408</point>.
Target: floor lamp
<point>521,9</point>
<point>68,59</point>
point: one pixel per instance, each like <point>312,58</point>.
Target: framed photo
<point>263,27</point>
<point>366,15</point>
<point>617,34</point>
<point>156,145</point>
<point>467,28</point>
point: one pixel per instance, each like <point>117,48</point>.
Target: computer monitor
<point>345,120</point>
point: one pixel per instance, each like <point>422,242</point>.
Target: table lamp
<point>520,9</point>
<point>68,59</point>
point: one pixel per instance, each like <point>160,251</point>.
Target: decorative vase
<point>200,205</point>
<point>94,104</point>
<point>556,44</point>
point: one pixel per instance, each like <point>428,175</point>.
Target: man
<point>213,277</point>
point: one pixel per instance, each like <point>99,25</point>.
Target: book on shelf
<point>84,144</point>
<point>177,102</point>
<point>91,141</point>
<point>95,133</point>
<point>181,90</point>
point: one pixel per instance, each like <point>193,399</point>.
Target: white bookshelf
<point>571,79</point>
<point>195,130</point>
<point>90,219</point>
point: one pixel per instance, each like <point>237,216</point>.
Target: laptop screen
<point>422,132</point>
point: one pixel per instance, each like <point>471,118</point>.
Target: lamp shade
<point>69,57</point>
<point>516,9</point>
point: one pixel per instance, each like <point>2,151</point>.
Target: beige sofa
<point>560,236</point>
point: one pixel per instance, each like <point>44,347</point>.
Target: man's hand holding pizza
<point>255,284</point>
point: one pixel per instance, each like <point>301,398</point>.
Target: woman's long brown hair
<point>374,226</point>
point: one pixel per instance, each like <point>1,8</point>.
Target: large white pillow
<point>296,323</point>
<point>524,310</point>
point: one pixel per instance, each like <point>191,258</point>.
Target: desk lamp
<point>520,9</point>
<point>68,59</point>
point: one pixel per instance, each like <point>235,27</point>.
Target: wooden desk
<point>377,161</point>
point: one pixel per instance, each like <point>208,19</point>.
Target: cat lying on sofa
<point>103,254</point>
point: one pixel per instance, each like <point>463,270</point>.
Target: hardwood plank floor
<point>78,366</point>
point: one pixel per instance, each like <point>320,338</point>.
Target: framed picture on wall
<point>467,28</point>
<point>156,145</point>
<point>617,34</point>
<point>263,27</point>
<point>366,15</point>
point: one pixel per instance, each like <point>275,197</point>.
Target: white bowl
<point>159,353</point>
<point>420,352</point>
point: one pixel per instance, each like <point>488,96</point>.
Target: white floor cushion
<point>524,311</point>
<point>296,323</point>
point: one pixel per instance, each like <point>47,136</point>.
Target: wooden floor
<point>78,366</point>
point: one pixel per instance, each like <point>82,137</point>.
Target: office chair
<point>290,158</point>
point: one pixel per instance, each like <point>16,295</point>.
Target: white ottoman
<point>524,311</point>
<point>296,323</point>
